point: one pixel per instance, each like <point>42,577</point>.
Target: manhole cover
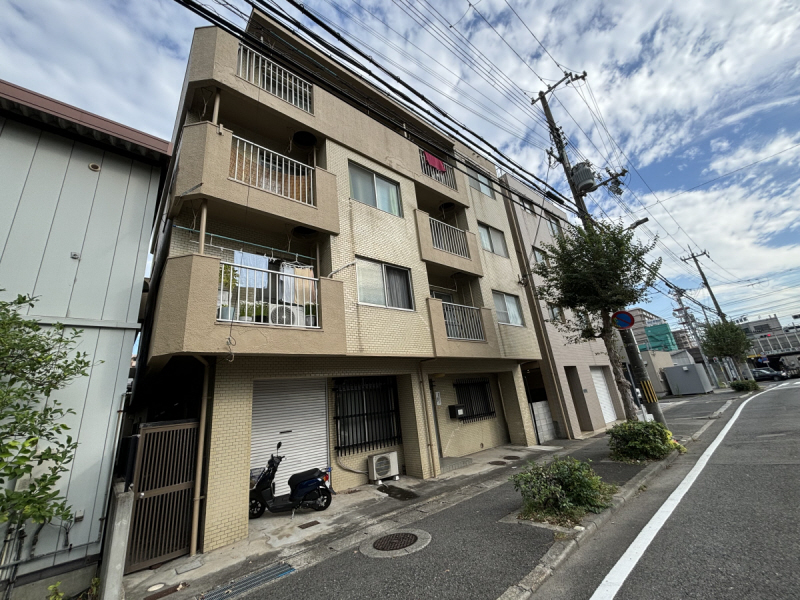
<point>511,458</point>
<point>496,462</point>
<point>394,541</point>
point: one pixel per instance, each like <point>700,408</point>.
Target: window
<point>556,312</point>
<point>508,308</point>
<point>384,285</point>
<point>493,240</point>
<point>443,296</point>
<point>476,396</point>
<point>480,182</point>
<point>366,414</point>
<point>374,190</point>
<point>540,256</point>
<point>554,226</point>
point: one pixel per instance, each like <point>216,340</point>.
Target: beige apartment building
<point>327,276</point>
<point>572,389</point>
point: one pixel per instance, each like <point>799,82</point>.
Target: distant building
<point>651,331</point>
<point>770,340</point>
<point>684,339</point>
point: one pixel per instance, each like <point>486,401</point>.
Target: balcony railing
<point>463,322</point>
<point>252,295</point>
<point>448,238</point>
<point>446,177</point>
<point>270,171</point>
<point>270,77</point>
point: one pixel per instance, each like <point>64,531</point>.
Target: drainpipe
<point>215,114</point>
<point>203,216</point>
<point>201,440</point>
<point>428,407</point>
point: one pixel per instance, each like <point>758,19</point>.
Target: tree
<point>594,272</point>
<point>35,362</point>
<point>726,339</point>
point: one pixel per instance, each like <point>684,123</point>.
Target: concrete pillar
<point>515,406</point>
<point>414,427</point>
<point>116,543</point>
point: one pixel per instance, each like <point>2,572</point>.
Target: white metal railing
<point>261,71</point>
<point>448,238</point>
<point>251,295</point>
<point>446,177</point>
<point>463,322</point>
<point>270,171</point>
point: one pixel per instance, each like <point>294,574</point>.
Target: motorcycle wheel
<point>257,508</point>
<point>324,500</point>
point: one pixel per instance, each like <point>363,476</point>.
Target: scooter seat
<point>299,478</point>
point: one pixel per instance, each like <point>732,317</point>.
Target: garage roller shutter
<point>292,411</point>
<point>600,386</point>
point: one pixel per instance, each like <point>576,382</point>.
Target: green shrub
<point>745,385</point>
<point>639,440</point>
<point>562,491</point>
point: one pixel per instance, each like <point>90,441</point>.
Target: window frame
<point>383,266</point>
<point>545,257</point>
<point>489,230</point>
<point>469,397</point>
<point>473,175</point>
<point>556,313</point>
<point>553,226</point>
<point>375,177</point>
<point>362,429</point>
<point>519,307</point>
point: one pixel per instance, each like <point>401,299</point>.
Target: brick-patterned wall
<point>371,233</point>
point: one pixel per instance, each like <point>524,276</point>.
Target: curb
<point>563,549</point>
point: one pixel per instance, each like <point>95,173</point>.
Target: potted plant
<point>225,312</point>
<point>246,312</point>
<point>262,313</point>
<point>311,315</point>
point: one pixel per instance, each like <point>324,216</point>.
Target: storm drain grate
<point>394,541</point>
<point>249,582</point>
<point>497,462</point>
<point>309,524</point>
<point>511,458</point>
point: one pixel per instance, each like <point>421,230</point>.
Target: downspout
<point>201,440</point>
<point>538,319</point>
<point>425,404</point>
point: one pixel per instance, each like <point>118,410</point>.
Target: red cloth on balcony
<point>434,162</point>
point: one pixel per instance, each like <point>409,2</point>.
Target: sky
<point>678,93</point>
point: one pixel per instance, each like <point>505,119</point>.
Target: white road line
<point>617,576</point>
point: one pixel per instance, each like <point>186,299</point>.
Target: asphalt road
<point>734,535</point>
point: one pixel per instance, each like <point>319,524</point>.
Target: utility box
<point>685,380</point>
<point>457,411</point>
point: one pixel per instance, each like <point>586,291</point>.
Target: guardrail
<point>463,322</point>
<point>267,170</point>
<point>270,77</point>
<point>448,238</point>
<point>253,295</point>
<point>446,177</point>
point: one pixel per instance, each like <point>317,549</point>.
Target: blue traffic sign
<point>622,320</point>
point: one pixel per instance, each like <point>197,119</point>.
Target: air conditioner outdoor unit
<point>287,314</point>
<point>383,466</point>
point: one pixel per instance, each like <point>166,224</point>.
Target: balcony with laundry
<point>460,325</point>
<point>231,294</point>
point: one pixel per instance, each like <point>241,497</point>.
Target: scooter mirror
<point>279,445</point>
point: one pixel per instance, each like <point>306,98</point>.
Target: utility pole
<point>705,281</point>
<point>689,322</point>
<point>578,192</point>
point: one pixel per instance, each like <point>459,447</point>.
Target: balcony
<point>446,177</point>
<point>462,331</point>
<point>203,302</point>
<point>447,248</point>
<point>280,298</point>
<point>217,165</point>
<point>274,79</point>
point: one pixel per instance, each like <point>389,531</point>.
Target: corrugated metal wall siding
<point>52,204</point>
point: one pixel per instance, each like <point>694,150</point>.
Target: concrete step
<point>453,463</point>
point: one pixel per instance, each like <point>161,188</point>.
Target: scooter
<point>309,489</point>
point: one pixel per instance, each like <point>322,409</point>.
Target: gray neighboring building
<point>78,196</point>
<point>573,384</point>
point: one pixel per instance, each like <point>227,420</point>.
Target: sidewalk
<point>444,506</point>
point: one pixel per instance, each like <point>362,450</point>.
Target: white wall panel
<point>17,146</point>
<point>97,256</point>
<point>22,255</point>
<point>57,272</point>
<point>144,244</point>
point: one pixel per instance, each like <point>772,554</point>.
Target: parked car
<point>767,374</point>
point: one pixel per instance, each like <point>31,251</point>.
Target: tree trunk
<point>623,385</point>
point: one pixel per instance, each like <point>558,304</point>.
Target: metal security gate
<point>295,412</point>
<point>163,484</point>
<point>603,395</point>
